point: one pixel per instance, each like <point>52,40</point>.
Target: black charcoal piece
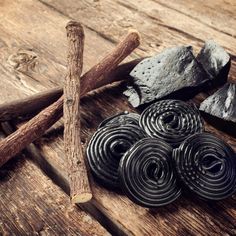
<point>222,103</point>
<point>121,119</point>
<point>207,166</point>
<point>146,174</point>
<point>215,60</point>
<point>171,71</point>
<point>106,148</point>
<point>171,120</point>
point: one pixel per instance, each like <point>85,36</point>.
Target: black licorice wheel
<point>207,166</point>
<point>121,119</point>
<point>146,173</point>
<point>171,120</point>
<point>106,148</point>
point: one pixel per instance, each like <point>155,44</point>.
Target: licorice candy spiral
<point>207,166</point>
<point>105,149</point>
<point>171,120</point>
<point>146,173</point>
<point>121,119</point>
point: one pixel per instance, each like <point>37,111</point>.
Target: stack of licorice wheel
<point>154,156</point>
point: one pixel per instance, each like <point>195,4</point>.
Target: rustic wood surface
<point>31,204</point>
<point>33,58</point>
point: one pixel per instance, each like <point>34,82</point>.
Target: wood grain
<point>92,79</point>
<point>23,108</point>
<point>31,204</point>
<point>219,15</point>
<point>188,215</point>
<point>160,27</point>
<point>30,105</point>
<point>152,16</point>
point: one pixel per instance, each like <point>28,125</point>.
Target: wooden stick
<point>80,191</point>
<point>21,108</point>
<point>36,127</point>
<point>28,105</point>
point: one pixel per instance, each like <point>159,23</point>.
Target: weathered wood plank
<point>33,47</point>
<point>193,215</point>
<point>187,216</point>
<point>218,14</point>
<point>159,25</point>
<point>31,204</point>
<point>164,20</point>
<point>21,72</point>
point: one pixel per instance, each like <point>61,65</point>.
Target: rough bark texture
<point>28,105</point>
<point>29,132</point>
<point>78,178</point>
<point>36,127</point>
<point>112,60</point>
<point>22,108</point>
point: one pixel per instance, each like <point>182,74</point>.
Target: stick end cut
<point>81,198</point>
<point>74,26</point>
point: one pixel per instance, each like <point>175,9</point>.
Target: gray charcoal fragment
<point>222,103</point>
<point>214,59</point>
<point>170,71</point>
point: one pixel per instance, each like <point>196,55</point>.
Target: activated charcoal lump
<point>215,60</point>
<point>222,103</point>
<point>172,70</point>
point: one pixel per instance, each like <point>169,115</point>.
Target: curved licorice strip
<point>121,119</point>
<point>106,148</point>
<point>146,173</point>
<point>207,166</point>
<point>171,120</point>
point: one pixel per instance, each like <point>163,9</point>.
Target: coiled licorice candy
<point>171,120</point>
<point>121,119</point>
<point>207,166</point>
<point>146,173</point>
<point>105,149</point>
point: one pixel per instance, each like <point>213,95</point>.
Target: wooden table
<point>33,186</point>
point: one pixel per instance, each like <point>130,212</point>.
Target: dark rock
<point>215,60</point>
<point>170,71</point>
<point>222,103</point>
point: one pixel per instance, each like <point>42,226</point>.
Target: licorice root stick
<point>24,107</point>
<point>36,127</point>
<point>80,191</point>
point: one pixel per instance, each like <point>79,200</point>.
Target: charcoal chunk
<point>215,60</point>
<point>222,103</point>
<point>170,71</point>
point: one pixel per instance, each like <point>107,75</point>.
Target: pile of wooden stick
<point>52,104</point>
